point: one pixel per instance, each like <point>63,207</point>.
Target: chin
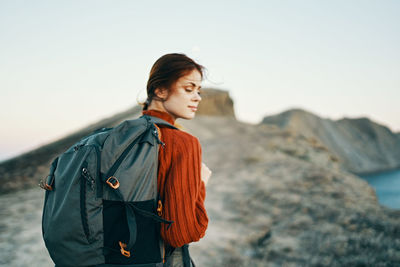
<point>188,116</point>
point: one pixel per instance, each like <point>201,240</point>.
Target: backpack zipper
<point>88,178</point>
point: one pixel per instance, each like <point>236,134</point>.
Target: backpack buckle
<point>124,252</point>
<point>113,182</point>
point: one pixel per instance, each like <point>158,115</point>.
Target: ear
<point>161,93</point>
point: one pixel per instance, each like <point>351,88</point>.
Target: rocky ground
<point>21,242</point>
<point>275,199</point>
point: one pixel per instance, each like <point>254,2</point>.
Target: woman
<point>173,91</point>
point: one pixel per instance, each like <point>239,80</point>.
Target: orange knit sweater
<point>179,184</point>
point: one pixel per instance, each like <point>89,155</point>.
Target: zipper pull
<point>89,178</point>
<point>161,143</point>
<point>76,148</point>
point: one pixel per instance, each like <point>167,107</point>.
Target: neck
<point>158,105</point>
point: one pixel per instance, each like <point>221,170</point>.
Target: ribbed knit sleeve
<point>179,184</point>
<point>184,191</point>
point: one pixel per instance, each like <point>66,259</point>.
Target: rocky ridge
<point>362,146</point>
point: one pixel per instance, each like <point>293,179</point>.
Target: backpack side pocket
<point>72,215</point>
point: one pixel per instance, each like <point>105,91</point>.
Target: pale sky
<point>65,64</point>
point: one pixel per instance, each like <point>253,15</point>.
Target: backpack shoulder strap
<point>159,121</point>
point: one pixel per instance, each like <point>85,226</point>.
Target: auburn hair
<point>166,71</point>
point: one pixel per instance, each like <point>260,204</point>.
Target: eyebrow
<point>193,84</point>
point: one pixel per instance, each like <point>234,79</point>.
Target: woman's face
<point>184,96</point>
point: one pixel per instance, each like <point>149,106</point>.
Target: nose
<point>197,97</point>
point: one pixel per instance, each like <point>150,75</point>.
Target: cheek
<point>176,102</point>
<point>180,98</point>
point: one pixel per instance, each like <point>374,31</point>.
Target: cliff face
<point>361,145</point>
<point>216,102</point>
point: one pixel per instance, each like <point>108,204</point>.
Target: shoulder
<point>179,137</point>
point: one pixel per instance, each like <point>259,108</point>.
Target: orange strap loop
<point>113,182</point>
<point>158,131</point>
<point>124,252</point>
<point>159,208</point>
<point>48,187</point>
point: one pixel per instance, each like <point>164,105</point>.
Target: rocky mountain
<point>276,198</point>
<point>217,103</point>
<point>362,146</point>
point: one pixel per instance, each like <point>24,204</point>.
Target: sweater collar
<point>160,114</point>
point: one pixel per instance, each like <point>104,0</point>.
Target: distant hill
<point>27,169</point>
<point>362,145</point>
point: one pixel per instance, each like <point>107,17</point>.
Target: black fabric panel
<point>146,249</point>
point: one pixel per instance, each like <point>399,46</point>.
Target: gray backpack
<point>101,203</point>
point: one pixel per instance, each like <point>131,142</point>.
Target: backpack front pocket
<point>116,229</point>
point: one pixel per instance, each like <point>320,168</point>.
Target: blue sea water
<point>387,187</point>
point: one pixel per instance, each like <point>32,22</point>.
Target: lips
<point>193,108</point>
